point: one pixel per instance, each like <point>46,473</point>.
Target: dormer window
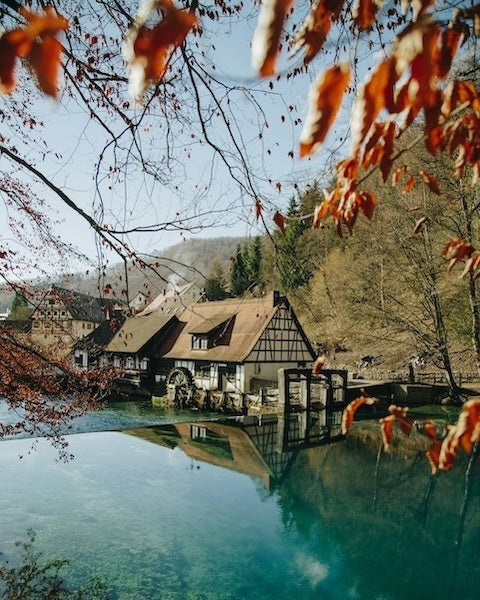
<point>214,331</point>
<point>200,342</point>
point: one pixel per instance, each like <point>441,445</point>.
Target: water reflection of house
<point>237,345</point>
<point>255,446</point>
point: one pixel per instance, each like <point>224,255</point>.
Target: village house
<point>62,317</point>
<point>133,348</point>
<point>236,345</point>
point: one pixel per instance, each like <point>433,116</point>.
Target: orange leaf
<point>419,225</point>
<point>37,42</point>
<point>365,12</point>
<point>430,429</point>
<point>457,250</point>
<point>373,96</point>
<point>386,425</point>
<point>410,184</point>
<point>351,409</point>
<point>324,102</point>
<point>147,51</point>
<point>45,61</point>
<point>431,182</point>
<point>279,221</point>
<point>266,37</point>
<point>316,27</point>
<point>321,210</point>
<point>433,455</point>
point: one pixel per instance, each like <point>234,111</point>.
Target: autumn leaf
<point>147,51</point>
<point>433,455</point>
<point>266,37</point>
<point>350,410</point>
<point>324,102</point>
<point>431,182</point>
<point>456,250</point>
<point>319,364</point>
<point>37,43</point>
<point>258,208</point>
<point>279,221</point>
<point>472,265</point>
<point>365,12</point>
<point>316,26</point>
<point>319,213</point>
<point>419,225</point>
<point>386,426</point>
<point>398,174</point>
<point>410,184</point>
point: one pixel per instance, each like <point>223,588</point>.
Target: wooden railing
<point>433,377</point>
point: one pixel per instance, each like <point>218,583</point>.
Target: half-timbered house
<point>62,317</point>
<point>236,345</point>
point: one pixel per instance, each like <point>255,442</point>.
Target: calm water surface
<point>235,511</point>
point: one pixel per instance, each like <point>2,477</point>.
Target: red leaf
<point>320,212</point>
<point>147,51</point>
<point>45,61</point>
<point>373,96</point>
<point>279,221</point>
<point>433,455</point>
<point>351,409</point>
<point>431,182</point>
<point>258,208</point>
<point>37,42</point>
<point>324,102</point>
<point>365,12</point>
<point>266,38</point>
<point>316,27</point>
<point>410,184</point>
<point>457,250</point>
<point>430,429</point>
<point>386,426</point>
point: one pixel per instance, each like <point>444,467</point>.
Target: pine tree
<point>238,274</point>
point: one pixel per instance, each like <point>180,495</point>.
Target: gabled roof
<point>80,306</point>
<point>137,331</point>
<point>100,336</point>
<point>252,316</point>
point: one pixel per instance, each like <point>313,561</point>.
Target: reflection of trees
<point>422,530</point>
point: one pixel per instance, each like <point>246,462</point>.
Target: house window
<point>198,432</point>
<point>257,368</point>
<point>144,364</point>
<point>130,362</point>
<point>116,362</point>
<point>199,342</point>
<point>202,370</point>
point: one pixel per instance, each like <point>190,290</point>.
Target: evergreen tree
<point>19,310</point>
<point>254,263</point>
<point>294,267</point>
<point>215,284</point>
<point>238,274</point>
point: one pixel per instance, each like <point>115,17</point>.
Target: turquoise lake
<point>239,510</point>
